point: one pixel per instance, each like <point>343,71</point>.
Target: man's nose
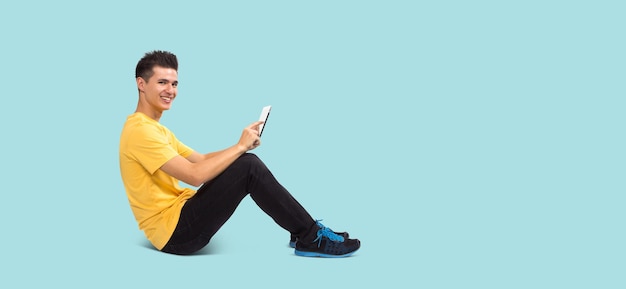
<point>170,88</point>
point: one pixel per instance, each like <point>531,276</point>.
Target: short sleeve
<point>180,147</point>
<point>151,146</point>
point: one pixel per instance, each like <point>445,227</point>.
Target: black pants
<point>205,213</point>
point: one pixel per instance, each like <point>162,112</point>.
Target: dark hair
<point>155,58</point>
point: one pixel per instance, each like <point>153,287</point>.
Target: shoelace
<point>319,224</point>
<point>326,232</point>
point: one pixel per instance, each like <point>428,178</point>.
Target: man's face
<point>161,89</point>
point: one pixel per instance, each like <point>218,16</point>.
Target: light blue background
<point>468,144</point>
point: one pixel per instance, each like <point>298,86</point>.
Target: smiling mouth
<point>167,99</point>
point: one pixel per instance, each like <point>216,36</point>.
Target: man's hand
<point>250,139</point>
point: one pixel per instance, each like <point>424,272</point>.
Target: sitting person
<point>182,221</point>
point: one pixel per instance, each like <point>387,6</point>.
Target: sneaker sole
<point>318,254</point>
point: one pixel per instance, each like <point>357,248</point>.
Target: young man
<point>182,220</point>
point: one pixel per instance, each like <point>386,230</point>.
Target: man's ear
<point>141,83</point>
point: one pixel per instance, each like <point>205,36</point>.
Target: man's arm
<point>196,157</point>
<point>197,169</point>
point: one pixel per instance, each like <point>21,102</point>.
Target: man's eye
<point>175,85</point>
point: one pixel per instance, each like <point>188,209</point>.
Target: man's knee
<point>250,158</point>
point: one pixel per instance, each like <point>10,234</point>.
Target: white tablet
<point>265,113</point>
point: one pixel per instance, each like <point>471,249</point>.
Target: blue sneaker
<point>294,239</point>
<point>327,244</point>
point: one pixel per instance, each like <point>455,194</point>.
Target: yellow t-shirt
<point>155,197</point>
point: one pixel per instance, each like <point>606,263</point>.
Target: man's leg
<point>205,213</point>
